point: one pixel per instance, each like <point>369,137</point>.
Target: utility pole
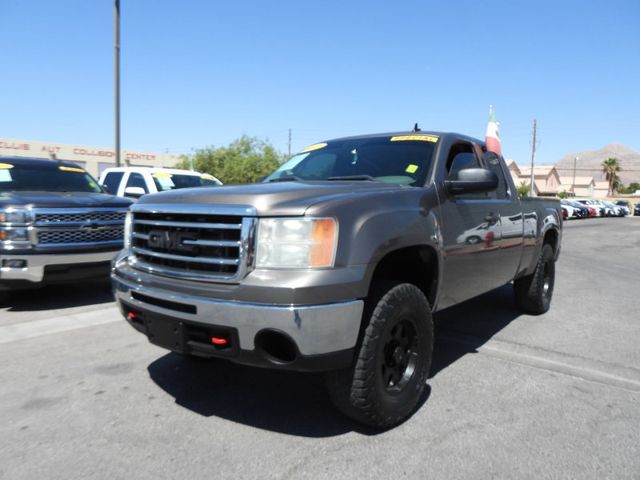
<point>573,184</point>
<point>116,19</point>
<point>532,192</point>
<point>289,156</point>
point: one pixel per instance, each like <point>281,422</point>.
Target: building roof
<point>542,170</point>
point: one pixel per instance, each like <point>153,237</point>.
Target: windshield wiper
<point>366,178</point>
<point>288,178</point>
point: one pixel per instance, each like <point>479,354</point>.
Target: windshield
<point>45,178</point>
<point>171,181</point>
<point>402,159</point>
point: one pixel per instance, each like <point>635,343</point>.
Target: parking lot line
<point>64,323</point>
<point>587,369</point>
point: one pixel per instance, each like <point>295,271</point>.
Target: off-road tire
<point>533,293</point>
<point>366,391</point>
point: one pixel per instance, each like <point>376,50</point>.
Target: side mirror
<point>472,180</point>
<point>134,192</point>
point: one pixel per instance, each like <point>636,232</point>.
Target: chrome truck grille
<point>69,236</point>
<point>193,242</point>
<point>55,228</point>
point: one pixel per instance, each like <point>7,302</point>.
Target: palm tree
<point>610,168</point>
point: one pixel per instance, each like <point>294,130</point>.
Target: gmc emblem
<point>171,240</point>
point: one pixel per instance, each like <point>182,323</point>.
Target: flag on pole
<point>492,137</point>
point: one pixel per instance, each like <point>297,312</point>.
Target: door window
<point>462,156</point>
<point>137,180</point>
<point>112,182</point>
<point>493,163</point>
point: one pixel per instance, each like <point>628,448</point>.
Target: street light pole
<point>117,78</point>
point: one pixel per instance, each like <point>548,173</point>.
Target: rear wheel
<point>388,378</point>
<point>533,293</point>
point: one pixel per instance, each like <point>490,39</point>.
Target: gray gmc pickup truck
<point>337,261</point>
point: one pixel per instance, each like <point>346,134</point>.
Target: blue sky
<point>198,73</point>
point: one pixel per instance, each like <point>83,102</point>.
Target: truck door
<point>512,221</point>
<point>471,232</point>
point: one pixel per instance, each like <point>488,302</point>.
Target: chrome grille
<point>78,227</point>
<point>49,237</point>
<point>53,218</point>
<point>191,245</point>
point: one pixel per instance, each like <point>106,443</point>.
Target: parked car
<point>56,224</point>
<point>134,182</point>
<point>601,209</point>
<point>636,210</point>
<point>572,210</point>
<point>336,262</point>
<point>624,205</point>
<point>615,210</point>
<point>580,210</point>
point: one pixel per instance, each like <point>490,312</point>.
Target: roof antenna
<point>416,128</point>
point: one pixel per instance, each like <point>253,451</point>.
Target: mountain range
<point>590,163</point>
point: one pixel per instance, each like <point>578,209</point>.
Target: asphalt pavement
<point>84,396</point>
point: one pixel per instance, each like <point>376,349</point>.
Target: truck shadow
<point>463,328</point>
<point>54,297</point>
<point>285,402</point>
<point>298,404</point>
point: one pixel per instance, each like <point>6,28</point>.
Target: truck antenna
<point>416,128</point>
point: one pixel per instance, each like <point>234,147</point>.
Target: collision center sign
<point>29,148</point>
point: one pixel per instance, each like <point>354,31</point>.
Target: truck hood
<point>270,199</point>
<point>62,200</point>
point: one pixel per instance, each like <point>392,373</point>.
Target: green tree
<point>633,186</point>
<point>244,160</point>
<point>610,168</point>
<point>563,194</point>
<point>523,189</point>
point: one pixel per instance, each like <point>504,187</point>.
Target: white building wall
<point>93,159</point>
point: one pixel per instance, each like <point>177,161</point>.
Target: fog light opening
<point>14,263</point>
<point>276,346</point>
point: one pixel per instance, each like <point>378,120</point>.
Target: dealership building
<point>92,159</point>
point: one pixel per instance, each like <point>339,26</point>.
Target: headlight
<point>15,215</point>
<point>128,219</point>
<point>296,242</point>
<point>14,235</point>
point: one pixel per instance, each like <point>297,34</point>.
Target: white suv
<point>137,181</point>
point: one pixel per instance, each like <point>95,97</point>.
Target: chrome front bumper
<point>315,329</point>
<point>34,271</point>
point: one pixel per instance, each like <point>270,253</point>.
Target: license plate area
<point>165,332</point>
<point>183,336</point>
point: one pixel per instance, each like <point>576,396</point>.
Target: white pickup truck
<point>134,182</point>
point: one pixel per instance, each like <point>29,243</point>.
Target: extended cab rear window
<point>172,181</point>
<point>401,159</point>
<point>45,178</point>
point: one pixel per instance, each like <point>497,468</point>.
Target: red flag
<point>492,137</point>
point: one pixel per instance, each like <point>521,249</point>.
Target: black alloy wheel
<point>533,292</point>
<point>399,357</point>
<point>388,378</point>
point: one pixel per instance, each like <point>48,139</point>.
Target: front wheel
<point>388,378</point>
<point>533,293</point>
